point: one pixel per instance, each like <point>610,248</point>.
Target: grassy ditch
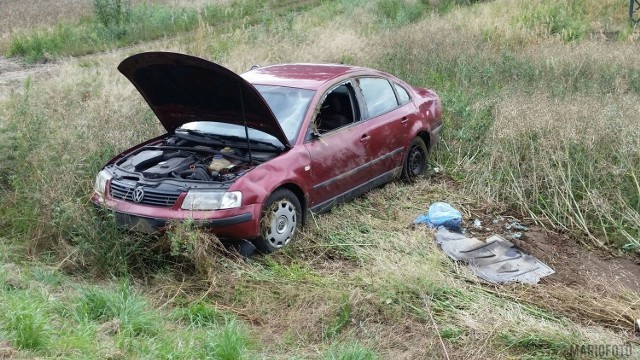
<point>538,122</point>
<point>540,110</point>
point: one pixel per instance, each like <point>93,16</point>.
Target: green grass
<point>144,22</point>
<point>130,311</point>
<point>51,320</point>
<point>201,314</point>
<point>340,320</point>
<point>360,283</point>
<point>116,24</point>
<point>398,11</point>
<point>25,322</point>
<point>402,12</point>
<point>451,333</point>
<point>349,351</point>
<point>565,19</point>
<point>33,322</point>
<point>228,343</point>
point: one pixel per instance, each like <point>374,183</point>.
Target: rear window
<point>378,94</point>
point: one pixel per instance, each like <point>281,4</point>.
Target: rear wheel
<point>281,217</point>
<point>415,162</point>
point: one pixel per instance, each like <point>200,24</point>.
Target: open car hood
<point>181,88</point>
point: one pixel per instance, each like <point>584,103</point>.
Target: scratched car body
<point>248,156</point>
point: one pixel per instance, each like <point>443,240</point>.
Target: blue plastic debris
<point>441,214</point>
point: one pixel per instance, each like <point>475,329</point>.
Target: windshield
<point>289,105</point>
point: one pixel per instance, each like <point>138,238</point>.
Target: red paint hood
<point>181,88</point>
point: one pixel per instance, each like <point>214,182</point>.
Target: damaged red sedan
<point>248,155</point>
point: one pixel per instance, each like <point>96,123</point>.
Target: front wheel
<point>415,163</point>
<point>281,217</point>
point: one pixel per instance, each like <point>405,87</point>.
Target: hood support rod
<point>244,120</point>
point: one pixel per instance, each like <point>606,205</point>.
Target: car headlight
<point>211,200</point>
<point>101,181</point>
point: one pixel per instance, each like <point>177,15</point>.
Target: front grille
<point>152,196</point>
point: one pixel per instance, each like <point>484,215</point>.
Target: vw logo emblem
<point>138,194</point>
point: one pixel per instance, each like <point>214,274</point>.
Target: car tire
<point>281,217</point>
<point>415,162</point>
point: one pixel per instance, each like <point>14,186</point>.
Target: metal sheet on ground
<point>495,260</point>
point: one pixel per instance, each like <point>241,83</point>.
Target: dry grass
<point>363,272</point>
<point>543,143</point>
<point>19,15</point>
<point>502,77</point>
<point>390,276</point>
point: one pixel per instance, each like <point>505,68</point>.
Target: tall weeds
<point>565,164</point>
<point>548,128</point>
<point>545,125</point>
<point>113,15</point>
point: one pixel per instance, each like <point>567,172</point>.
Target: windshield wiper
<point>203,134</point>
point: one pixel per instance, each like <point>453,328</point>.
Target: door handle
<point>364,138</point>
<point>404,120</point>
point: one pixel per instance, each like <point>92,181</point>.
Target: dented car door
<point>337,163</point>
<point>338,156</point>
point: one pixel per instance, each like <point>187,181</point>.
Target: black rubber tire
<point>415,162</point>
<point>281,211</point>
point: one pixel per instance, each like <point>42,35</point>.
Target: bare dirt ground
<point>14,72</point>
<point>589,286</point>
<point>574,264</point>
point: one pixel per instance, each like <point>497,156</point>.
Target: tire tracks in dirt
<point>14,72</point>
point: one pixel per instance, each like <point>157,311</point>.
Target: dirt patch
<point>574,264</point>
<point>589,286</point>
<point>14,72</point>
<point>7,351</point>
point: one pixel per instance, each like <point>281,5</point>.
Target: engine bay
<point>180,159</point>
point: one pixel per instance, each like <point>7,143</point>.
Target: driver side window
<point>337,110</point>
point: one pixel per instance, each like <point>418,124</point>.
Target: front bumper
<point>154,225</point>
<point>240,223</point>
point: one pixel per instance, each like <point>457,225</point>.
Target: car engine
<point>180,160</point>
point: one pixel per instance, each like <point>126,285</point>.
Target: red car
<point>249,155</point>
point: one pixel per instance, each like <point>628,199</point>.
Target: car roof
<point>305,76</point>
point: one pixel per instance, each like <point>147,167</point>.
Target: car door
<point>386,126</point>
<point>338,155</point>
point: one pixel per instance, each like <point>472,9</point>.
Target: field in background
<point>118,23</point>
<point>22,16</point>
<point>541,101</point>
